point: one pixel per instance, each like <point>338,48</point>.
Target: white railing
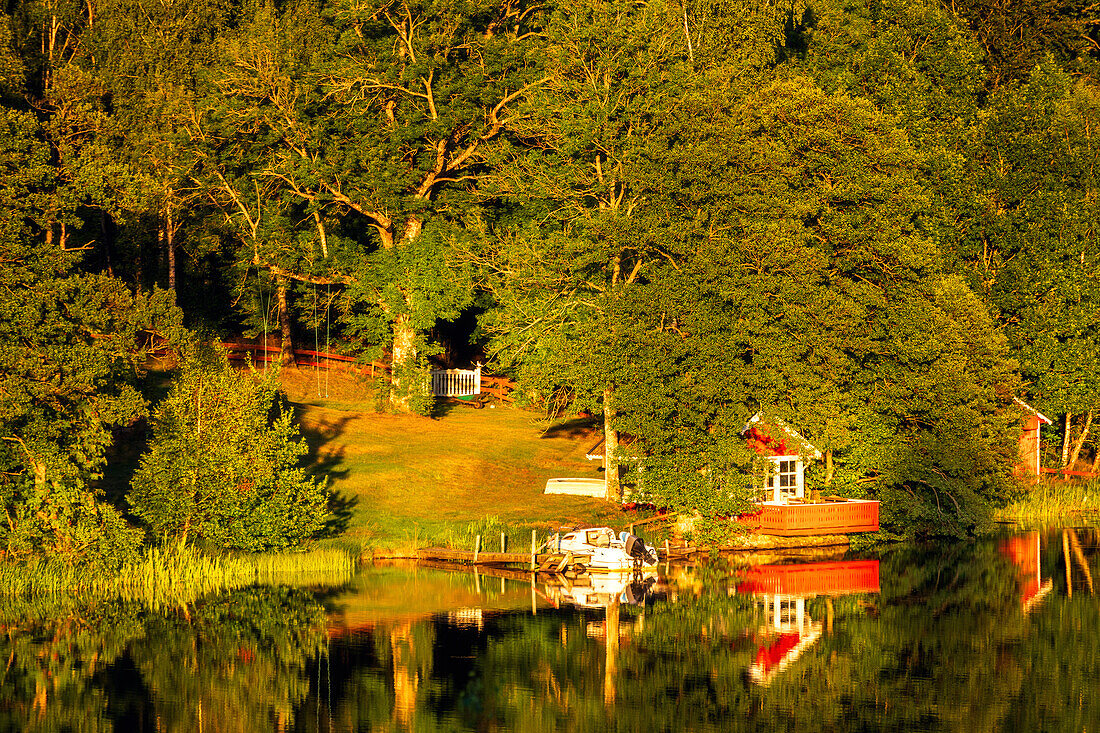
<point>456,382</point>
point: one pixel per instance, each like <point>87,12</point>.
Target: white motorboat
<point>607,550</point>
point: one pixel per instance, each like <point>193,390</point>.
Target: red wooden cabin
<point>784,509</point>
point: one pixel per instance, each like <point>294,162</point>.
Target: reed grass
<point>178,573</point>
<point>1054,501</point>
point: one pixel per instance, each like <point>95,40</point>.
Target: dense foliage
<point>222,465</point>
<point>873,219</point>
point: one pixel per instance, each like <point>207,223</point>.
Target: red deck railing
<point>854,515</point>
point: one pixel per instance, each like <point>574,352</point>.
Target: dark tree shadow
<point>340,509</point>
<point>574,427</point>
<point>444,406</point>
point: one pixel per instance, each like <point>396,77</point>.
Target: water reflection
<point>986,636</point>
<point>234,662</point>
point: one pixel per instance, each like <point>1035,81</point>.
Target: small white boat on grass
<point>607,550</point>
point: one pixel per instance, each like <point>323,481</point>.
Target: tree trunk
<point>1080,441</point>
<point>286,351</point>
<point>829,467</point>
<point>170,229</point>
<point>39,475</point>
<point>404,358</point>
<point>611,449</point>
<point>1065,438</point>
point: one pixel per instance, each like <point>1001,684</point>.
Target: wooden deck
<point>827,517</point>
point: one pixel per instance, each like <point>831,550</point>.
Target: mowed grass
<point>406,481</point>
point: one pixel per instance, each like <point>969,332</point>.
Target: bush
<point>70,525</point>
<point>222,466</point>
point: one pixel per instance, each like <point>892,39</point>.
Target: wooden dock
<point>554,562</point>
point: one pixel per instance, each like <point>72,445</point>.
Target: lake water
<point>996,635</point>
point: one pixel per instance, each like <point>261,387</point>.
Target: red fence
<point>240,351</point>
<point>261,354</point>
<point>1066,473</point>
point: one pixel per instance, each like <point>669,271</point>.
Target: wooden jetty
<point>554,562</point>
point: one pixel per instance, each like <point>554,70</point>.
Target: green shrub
<point>222,466</point>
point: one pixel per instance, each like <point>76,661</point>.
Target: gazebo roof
<point>775,437</point>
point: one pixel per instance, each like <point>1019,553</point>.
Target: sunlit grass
<point>415,482</point>
<point>1054,501</point>
<point>178,573</point>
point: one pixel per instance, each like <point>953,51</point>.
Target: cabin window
<point>785,478</point>
<point>786,474</point>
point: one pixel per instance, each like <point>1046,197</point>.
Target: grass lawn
<point>407,481</point>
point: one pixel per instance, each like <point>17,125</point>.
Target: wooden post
<point>532,553</point>
<point>503,543</point>
<point>668,555</point>
<point>477,549</point>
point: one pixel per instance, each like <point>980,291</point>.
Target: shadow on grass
<point>444,406</point>
<point>340,509</point>
<point>317,434</point>
<point>573,427</point>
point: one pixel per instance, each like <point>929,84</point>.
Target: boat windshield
<point>598,538</point>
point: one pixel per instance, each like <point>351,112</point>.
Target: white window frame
<point>786,484</point>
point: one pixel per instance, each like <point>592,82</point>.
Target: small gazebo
<point>787,451</point>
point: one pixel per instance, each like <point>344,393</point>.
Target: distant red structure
<point>1029,463</point>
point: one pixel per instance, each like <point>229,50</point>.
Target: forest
<point>875,220</point>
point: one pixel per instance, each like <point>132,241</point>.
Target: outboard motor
<point>637,549</point>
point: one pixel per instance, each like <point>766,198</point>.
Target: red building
<point>1029,464</point>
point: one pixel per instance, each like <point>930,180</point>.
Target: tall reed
<point>179,573</point>
<point>1055,502</point>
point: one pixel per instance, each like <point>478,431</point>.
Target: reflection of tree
<point>1060,658</point>
<point>50,681</point>
<point>944,646</point>
<point>232,662</point>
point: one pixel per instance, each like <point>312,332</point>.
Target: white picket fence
<point>456,382</point>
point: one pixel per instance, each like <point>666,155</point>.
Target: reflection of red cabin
<point>813,579</point>
<point>1029,465</point>
<point>783,590</point>
<point>1023,551</point>
<point>771,655</point>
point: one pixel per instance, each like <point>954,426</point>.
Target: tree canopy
<point>872,219</point>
